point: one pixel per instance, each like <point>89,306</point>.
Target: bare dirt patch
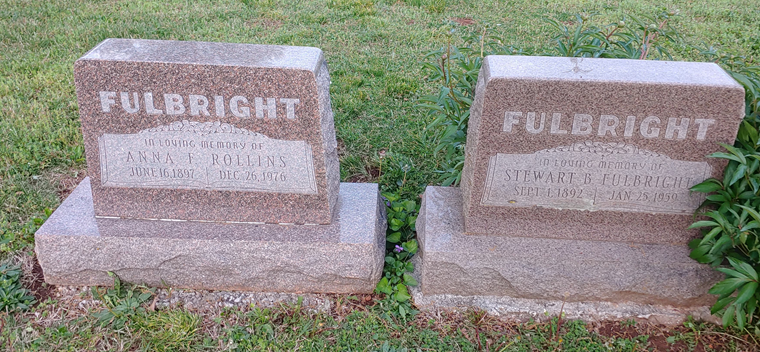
<point>344,305</point>
<point>464,21</point>
<point>372,173</point>
<point>682,338</point>
<point>32,278</point>
<point>341,147</point>
<point>66,180</point>
<point>265,23</point>
<point>36,283</point>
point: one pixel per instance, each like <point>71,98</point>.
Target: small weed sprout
<point>121,302</point>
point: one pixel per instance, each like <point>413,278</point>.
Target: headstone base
<point>458,269</point>
<point>75,248</point>
<point>525,309</point>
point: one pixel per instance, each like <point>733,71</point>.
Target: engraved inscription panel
<point>206,155</point>
<point>595,176</point>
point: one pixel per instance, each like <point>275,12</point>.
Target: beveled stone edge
<point>348,234</point>
<point>312,68</point>
<point>720,80</point>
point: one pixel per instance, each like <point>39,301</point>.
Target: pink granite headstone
<point>595,149</point>
<point>208,131</point>
<point>575,190</point>
<point>212,166</point>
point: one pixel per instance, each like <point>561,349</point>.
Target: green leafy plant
<point>398,167</point>
<point>401,246</point>
<point>398,194</point>
<point>13,296</point>
<point>455,69</point>
<point>630,38</point>
<point>731,224</point>
<point>265,328</point>
<point>122,302</point>
<point>386,347</point>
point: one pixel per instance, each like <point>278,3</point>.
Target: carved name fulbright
<point>208,155</point>
<point>197,105</point>
<point>585,124</point>
<point>595,176</point>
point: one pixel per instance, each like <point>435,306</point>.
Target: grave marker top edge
<point>207,53</point>
<point>608,70</point>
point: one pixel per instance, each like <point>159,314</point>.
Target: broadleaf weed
<point>121,302</point>
<point>13,296</point>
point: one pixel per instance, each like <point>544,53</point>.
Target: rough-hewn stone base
<point>523,309</point>
<point>455,268</point>
<point>75,248</point>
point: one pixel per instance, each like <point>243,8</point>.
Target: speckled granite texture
<point>689,109</point>
<point>75,248</point>
<point>286,91</point>
<point>525,309</point>
<point>478,266</point>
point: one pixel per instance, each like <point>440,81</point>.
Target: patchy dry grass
<point>353,324</point>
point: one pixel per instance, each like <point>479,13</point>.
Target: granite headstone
<point>212,166</point>
<point>595,149</point>
<point>208,131</point>
<point>576,183</point>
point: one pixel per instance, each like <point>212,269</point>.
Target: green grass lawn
<point>375,50</point>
